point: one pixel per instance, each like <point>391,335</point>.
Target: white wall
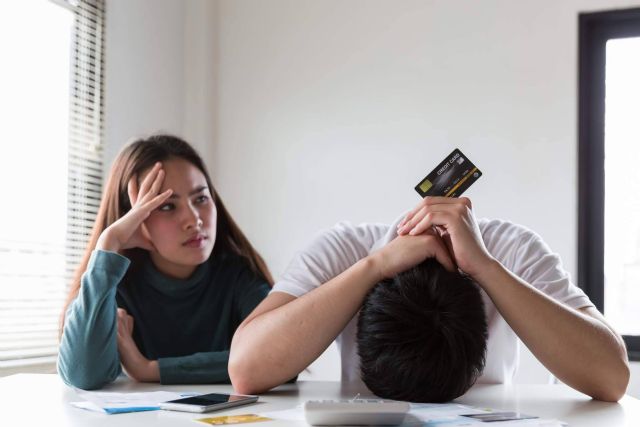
<point>331,110</point>
<point>144,70</point>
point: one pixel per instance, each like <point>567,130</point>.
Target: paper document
<point>434,414</point>
<point>116,403</point>
<point>293,414</point>
<point>452,414</point>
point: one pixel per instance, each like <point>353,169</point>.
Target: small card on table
<point>232,419</point>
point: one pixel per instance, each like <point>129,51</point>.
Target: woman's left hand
<point>454,220</point>
<point>135,364</point>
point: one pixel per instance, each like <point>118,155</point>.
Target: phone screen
<point>209,399</point>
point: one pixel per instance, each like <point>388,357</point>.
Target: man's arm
<point>575,345</point>
<point>285,334</point>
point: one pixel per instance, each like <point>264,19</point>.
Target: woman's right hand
<point>405,252</point>
<point>129,231</point>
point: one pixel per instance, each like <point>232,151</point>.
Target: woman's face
<point>183,229</point>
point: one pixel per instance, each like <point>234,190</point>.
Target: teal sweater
<point>187,325</point>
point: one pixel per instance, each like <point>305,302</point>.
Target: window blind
<point>85,128</point>
<point>35,274</point>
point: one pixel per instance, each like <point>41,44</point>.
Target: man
<point>527,295</point>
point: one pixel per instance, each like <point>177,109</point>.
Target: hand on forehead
<point>180,175</point>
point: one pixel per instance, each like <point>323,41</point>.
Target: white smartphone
<point>208,402</point>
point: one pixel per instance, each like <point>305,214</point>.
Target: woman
<point>166,279</point>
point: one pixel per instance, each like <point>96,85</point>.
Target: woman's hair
<point>422,335</point>
<point>133,160</point>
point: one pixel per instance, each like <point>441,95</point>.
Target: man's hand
<point>404,252</point>
<point>454,220</point>
<point>134,363</point>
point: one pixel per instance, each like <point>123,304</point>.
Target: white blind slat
<point>20,364</point>
<point>27,352</point>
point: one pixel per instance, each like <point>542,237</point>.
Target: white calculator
<point>355,412</point>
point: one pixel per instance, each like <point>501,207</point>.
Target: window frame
<point>595,29</point>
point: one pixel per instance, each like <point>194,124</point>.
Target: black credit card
<point>450,178</point>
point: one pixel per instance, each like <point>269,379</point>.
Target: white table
<point>43,400</point>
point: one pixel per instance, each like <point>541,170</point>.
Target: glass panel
<point>35,37</point>
<point>622,185</point>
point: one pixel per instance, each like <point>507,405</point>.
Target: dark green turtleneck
<point>187,325</point>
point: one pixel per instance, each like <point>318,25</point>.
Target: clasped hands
<point>438,227</point>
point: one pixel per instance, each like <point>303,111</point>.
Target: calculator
<point>355,412</point>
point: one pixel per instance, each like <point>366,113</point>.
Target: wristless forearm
<point>279,344</point>
<point>577,348</point>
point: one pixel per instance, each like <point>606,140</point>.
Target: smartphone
<point>208,402</point>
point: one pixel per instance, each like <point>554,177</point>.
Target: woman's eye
<point>201,199</point>
<point>166,207</point>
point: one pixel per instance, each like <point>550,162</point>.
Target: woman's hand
<point>454,220</point>
<point>129,231</point>
<point>404,252</point>
<point>135,364</point>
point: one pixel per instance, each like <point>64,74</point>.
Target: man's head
<point>422,335</point>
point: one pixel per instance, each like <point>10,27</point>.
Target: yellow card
<point>232,419</point>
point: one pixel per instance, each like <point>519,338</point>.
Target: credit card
<point>450,178</point>
<point>232,419</point>
<point>500,416</point>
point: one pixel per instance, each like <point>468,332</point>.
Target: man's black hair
<point>422,335</point>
